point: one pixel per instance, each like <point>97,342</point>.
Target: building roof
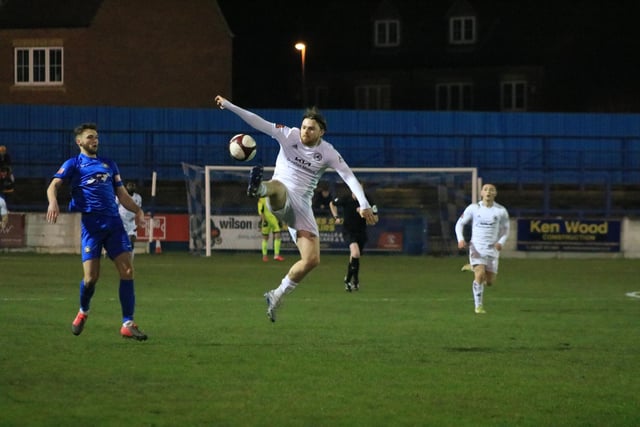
<point>27,14</point>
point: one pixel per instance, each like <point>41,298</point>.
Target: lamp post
<point>303,52</point>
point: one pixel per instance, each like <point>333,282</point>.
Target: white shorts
<point>489,260</point>
<point>130,227</point>
<point>297,214</point>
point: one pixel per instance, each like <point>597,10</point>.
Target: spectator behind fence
<point>5,158</point>
<point>321,200</point>
<point>4,214</point>
<point>7,181</point>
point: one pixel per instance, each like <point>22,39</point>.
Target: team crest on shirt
<point>87,249</point>
<point>317,157</point>
<point>99,177</point>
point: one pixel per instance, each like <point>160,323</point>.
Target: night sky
<point>594,43</point>
<point>266,64</point>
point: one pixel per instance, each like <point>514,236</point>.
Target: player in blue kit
<point>95,182</point>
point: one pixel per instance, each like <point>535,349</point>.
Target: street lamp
<point>303,52</point>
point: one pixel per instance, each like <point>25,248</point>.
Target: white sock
<point>286,287</point>
<point>262,190</point>
<point>477,293</point>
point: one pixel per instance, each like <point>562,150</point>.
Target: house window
<point>462,30</point>
<point>38,66</point>
<point>454,96</point>
<point>373,97</point>
<point>386,33</point>
<point>513,95</point>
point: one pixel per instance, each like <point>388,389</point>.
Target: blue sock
<point>127,299</point>
<point>86,292</point>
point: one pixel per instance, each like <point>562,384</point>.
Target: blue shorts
<point>99,231</point>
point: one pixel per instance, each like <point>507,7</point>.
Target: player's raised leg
<point>255,187</point>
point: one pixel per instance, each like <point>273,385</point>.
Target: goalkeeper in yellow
<point>269,225</point>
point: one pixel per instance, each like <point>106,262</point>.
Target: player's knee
<point>90,280</point>
<point>126,273</point>
<point>125,270</point>
<point>311,262</point>
<point>314,262</point>
<point>275,190</point>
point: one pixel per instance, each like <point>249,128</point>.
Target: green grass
<point>558,347</point>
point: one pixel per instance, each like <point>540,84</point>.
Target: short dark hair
<point>84,126</point>
<point>313,114</point>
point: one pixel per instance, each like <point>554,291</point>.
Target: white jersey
<point>490,226</point>
<point>299,167</point>
<point>128,217</point>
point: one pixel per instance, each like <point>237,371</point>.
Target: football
<point>242,147</point>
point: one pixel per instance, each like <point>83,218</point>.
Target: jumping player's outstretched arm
<point>354,185</point>
<point>252,119</point>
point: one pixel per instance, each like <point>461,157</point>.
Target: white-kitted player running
<point>489,232</point>
<point>303,158</point>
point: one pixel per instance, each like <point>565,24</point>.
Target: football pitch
<point>559,345</point>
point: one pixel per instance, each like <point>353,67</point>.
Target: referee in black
<point>354,231</point>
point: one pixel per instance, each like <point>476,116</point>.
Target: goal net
<point>418,208</point>
<point>194,177</point>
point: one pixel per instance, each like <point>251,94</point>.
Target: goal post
<point>418,208</point>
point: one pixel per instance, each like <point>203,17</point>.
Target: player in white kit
<point>128,217</point>
<point>489,232</point>
<point>303,158</point>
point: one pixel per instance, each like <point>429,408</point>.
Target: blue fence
<point>526,148</point>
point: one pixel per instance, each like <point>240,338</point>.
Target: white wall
<point>63,237</point>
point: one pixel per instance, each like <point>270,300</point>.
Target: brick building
<point>143,53</point>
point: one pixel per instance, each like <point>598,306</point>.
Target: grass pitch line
<point>635,294</point>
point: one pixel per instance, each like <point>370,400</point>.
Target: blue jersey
<point>92,183</point>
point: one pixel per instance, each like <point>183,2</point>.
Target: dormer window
<point>462,30</point>
<point>386,33</point>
